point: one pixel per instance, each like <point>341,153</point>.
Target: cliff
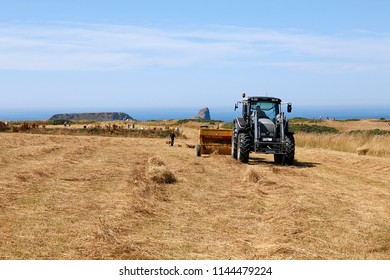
<point>106,116</point>
<point>204,114</point>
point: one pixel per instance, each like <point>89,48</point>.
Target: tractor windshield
<point>265,109</point>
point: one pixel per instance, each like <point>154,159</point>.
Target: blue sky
<point>132,54</point>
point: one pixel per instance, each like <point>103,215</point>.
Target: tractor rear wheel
<point>243,147</point>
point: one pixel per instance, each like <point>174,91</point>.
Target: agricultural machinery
<point>262,128</point>
<point>212,140</point>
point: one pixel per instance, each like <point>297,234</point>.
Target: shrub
<point>370,132</point>
<point>61,122</point>
<point>228,125</point>
<point>311,128</point>
<point>300,119</point>
<point>211,122</point>
<point>349,120</point>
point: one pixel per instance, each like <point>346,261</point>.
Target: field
<point>98,197</point>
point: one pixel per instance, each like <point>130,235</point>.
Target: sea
<point>225,114</point>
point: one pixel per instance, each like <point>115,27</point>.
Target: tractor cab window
<point>265,109</point>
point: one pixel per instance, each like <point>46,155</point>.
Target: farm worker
<point>172,136</point>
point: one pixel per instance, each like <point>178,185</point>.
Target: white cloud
<point>63,46</point>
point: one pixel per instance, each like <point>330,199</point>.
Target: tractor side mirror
<point>235,106</point>
<point>289,107</point>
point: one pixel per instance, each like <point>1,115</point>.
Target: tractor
<point>262,128</point>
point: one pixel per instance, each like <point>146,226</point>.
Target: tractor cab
<point>264,108</point>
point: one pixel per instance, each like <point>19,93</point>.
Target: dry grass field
<point>374,145</point>
<point>95,197</point>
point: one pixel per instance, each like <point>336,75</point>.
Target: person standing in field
<point>172,136</point>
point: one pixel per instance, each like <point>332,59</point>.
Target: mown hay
<point>156,161</point>
<point>251,176</point>
<point>158,172</point>
<point>161,175</point>
<point>361,151</point>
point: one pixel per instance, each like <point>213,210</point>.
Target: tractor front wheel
<point>234,144</point>
<point>278,158</point>
<point>288,156</point>
<point>290,149</point>
<point>243,147</point>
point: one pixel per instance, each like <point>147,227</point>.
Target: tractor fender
<point>240,125</point>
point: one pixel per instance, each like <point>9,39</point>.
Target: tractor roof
<point>264,98</point>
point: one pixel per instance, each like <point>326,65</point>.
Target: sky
<point>178,54</point>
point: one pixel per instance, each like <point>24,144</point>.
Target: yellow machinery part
<point>212,140</point>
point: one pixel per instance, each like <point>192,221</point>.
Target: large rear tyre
<point>243,147</point>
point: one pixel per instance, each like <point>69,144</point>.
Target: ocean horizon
<point>225,114</point>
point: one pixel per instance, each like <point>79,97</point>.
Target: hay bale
<point>161,175</point>
<point>361,151</point>
<point>158,172</point>
<point>251,176</point>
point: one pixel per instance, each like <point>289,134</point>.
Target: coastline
<point>225,114</point>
